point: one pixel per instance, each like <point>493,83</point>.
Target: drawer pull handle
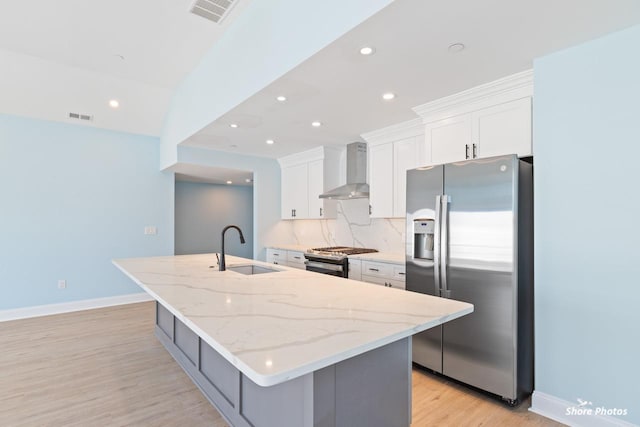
<point>373,269</point>
<point>296,257</point>
<point>401,273</point>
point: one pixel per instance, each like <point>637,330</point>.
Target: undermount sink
<point>252,269</point>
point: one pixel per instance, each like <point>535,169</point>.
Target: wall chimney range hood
<point>356,187</point>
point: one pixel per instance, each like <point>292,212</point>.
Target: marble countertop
<point>278,326</point>
<point>390,257</point>
<point>299,248</point>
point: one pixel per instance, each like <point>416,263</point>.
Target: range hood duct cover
<point>356,187</point>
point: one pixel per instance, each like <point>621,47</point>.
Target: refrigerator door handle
<point>436,246</point>
<point>444,246</point>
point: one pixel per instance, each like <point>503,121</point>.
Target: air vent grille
<point>213,10</point>
<point>80,116</point>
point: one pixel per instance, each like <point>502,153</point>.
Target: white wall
<point>352,227</point>
<point>587,238</point>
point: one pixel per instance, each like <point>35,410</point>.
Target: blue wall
<point>587,210</point>
<point>73,198</point>
<point>202,212</point>
<point>266,189</point>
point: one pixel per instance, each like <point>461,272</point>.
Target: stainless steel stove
<point>333,260</point>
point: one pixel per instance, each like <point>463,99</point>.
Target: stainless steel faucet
<point>221,263</point>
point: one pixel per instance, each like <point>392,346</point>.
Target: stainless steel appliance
<point>482,212</point>
<point>333,260</point>
<point>356,186</point>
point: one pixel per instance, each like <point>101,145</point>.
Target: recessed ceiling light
<point>281,98</point>
<point>367,50</point>
<point>114,103</point>
<point>233,125</point>
<point>388,96</point>
<point>229,182</point>
<point>316,124</point>
<point>456,47</point>
<point>270,141</point>
<point>247,180</point>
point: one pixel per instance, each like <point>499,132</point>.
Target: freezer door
<point>424,185</point>
<point>479,349</point>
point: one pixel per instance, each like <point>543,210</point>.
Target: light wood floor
<point>105,368</point>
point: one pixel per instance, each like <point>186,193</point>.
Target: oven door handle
<point>324,266</point>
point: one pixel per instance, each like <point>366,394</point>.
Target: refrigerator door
<point>424,186</point>
<point>479,349</point>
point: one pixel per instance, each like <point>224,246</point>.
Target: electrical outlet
<point>150,230</point>
<point>62,284</point>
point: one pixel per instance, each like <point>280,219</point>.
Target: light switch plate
<point>150,230</point>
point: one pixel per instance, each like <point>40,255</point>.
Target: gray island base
<point>372,389</point>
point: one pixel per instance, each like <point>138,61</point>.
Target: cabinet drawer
<point>295,257</point>
<point>378,269</point>
<point>390,283</point>
<point>276,256</point>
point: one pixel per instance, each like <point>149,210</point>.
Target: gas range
<point>339,252</point>
<point>333,260</point>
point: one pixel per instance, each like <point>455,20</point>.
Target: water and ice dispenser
<point>423,238</point>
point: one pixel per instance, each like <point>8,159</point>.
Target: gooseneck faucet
<point>222,265</point>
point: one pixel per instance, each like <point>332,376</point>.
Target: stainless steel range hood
<point>356,187</point>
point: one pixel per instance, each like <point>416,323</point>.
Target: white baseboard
<point>556,409</point>
<point>67,307</point>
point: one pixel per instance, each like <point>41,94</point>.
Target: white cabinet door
<point>295,203</point>
<point>449,139</point>
<point>381,180</point>
<point>405,157</point>
<point>355,269</point>
<point>315,188</point>
<point>503,129</point>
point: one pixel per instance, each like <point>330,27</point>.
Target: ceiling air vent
<point>213,10</point>
<point>78,116</point>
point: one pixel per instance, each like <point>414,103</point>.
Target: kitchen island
<point>289,347</point>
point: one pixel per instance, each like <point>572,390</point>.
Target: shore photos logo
<point>585,407</point>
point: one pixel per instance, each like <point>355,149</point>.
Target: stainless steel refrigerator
<point>470,238</point>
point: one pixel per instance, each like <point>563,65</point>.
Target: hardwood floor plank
<point>105,367</point>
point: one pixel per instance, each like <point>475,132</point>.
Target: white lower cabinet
<point>355,269</point>
<point>293,259</point>
<point>385,274</point>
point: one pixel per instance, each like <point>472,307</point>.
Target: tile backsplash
<point>352,227</point>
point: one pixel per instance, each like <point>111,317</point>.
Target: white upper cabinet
<point>449,139</point>
<point>489,120</point>
<point>295,199</point>
<point>304,177</point>
<point>316,187</point>
<point>503,129</point>
<point>381,180</point>
<point>405,157</point>
<point>391,152</point>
